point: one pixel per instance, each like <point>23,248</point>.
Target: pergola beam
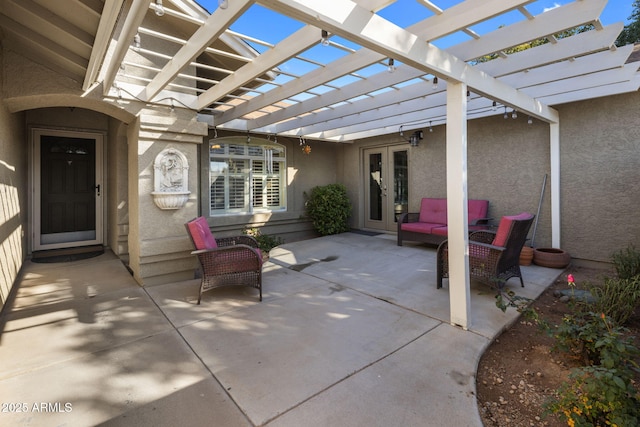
<point>428,29</point>
<point>298,42</point>
<point>373,32</point>
<point>213,27</point>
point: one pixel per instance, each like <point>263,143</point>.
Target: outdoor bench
<point>430,224</point>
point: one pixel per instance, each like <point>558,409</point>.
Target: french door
<point>67,189</point>
<point>386,184</point>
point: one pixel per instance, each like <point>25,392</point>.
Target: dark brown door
<point>68,189</point>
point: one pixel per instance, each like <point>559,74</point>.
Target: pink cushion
<point>440,231</point>
<point>505,227</point>
<point>477,209</point>
<point>201,234</point>
<point>433,211</point>
<point>419,227</point>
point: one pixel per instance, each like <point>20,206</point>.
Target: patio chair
<point>493,255</point>
<point>225,261</point>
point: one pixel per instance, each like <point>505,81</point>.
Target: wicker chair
<point>493,255</point>
<point>225,261</point>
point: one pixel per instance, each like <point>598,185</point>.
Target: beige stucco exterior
<point>507,162</point>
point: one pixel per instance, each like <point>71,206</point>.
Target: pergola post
<point>457,213</point>
<point>554,156</point>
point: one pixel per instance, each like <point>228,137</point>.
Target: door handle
<point>98,189</point>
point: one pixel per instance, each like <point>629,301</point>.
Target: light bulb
<point>392,66</point>
<point>435,83</point>
<point>223,4</point>
<point>159,8</point>
<point>324,40</point>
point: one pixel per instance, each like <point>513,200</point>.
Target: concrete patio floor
<point>351,332</point>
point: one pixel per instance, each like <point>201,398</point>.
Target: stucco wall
<point>600,179</point>
<point>13,196</point>
<point>509,158</point>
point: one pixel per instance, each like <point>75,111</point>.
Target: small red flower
<point>570,279</point>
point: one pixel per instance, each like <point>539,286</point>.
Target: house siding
<point>13,195</point>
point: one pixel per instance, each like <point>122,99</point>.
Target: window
<point>246,178</point>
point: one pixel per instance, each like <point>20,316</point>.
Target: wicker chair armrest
<point>482,236</point>
<point>480,221</point>
<point>242,239</point>
<point>250,251</point>
<point>409,217</point>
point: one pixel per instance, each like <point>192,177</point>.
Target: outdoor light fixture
<point>468,94</point>
<point>435,83</point>
<point>514,114</point>
<point>159,8</point>
<point>392,66</point>
<point>324,39</point>
<point>223,4</point>
<point>494,106</point>
<point>430,127</point>
<point>530,120</point>
<point>136,42</point>
<point>506,116</point>
<point>415,138</point>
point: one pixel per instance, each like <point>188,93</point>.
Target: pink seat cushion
<point>477,209</point>
<point>440,231</point>
<point>502,235</point>
<point>201,234</point>
<point>433,211</point>
<point>419,227</point>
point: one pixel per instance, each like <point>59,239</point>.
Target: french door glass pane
<point>375,186</point>
<point>400,182</point>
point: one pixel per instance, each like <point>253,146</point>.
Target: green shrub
<point>597,396</point>
<point>329,208</point>
<point>626,262</point>
<point>593,338</point>
<point>265,241</point>
<point>602,392</point>
<point>617,298</point>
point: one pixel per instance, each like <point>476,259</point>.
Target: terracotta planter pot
<point>526,255</point>
<point>551,257</point>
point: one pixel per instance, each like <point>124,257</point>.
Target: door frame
<point>35,134</point>
<point>388,221</point>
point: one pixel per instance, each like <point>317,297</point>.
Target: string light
<point>392,66</point>
<point>324,39</point>
<point>159,8</point>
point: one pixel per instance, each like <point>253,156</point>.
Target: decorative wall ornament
<point>171,179</point>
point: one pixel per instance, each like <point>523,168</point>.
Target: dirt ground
<point>519,371</point>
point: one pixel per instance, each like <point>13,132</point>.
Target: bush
<point>626,262</point>
<point>603,392</point>
<point>265,241</point>
<point>597,396</point>
<point>329,208</point>
<point>617,298</point>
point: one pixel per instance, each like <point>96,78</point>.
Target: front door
<point>386,186</point>
<point>67,189</point>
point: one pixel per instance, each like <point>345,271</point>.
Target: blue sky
<point>264,24</point>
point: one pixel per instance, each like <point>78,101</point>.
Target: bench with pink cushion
<point>430,224</point>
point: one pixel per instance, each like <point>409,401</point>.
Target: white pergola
<point>245,84</point>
